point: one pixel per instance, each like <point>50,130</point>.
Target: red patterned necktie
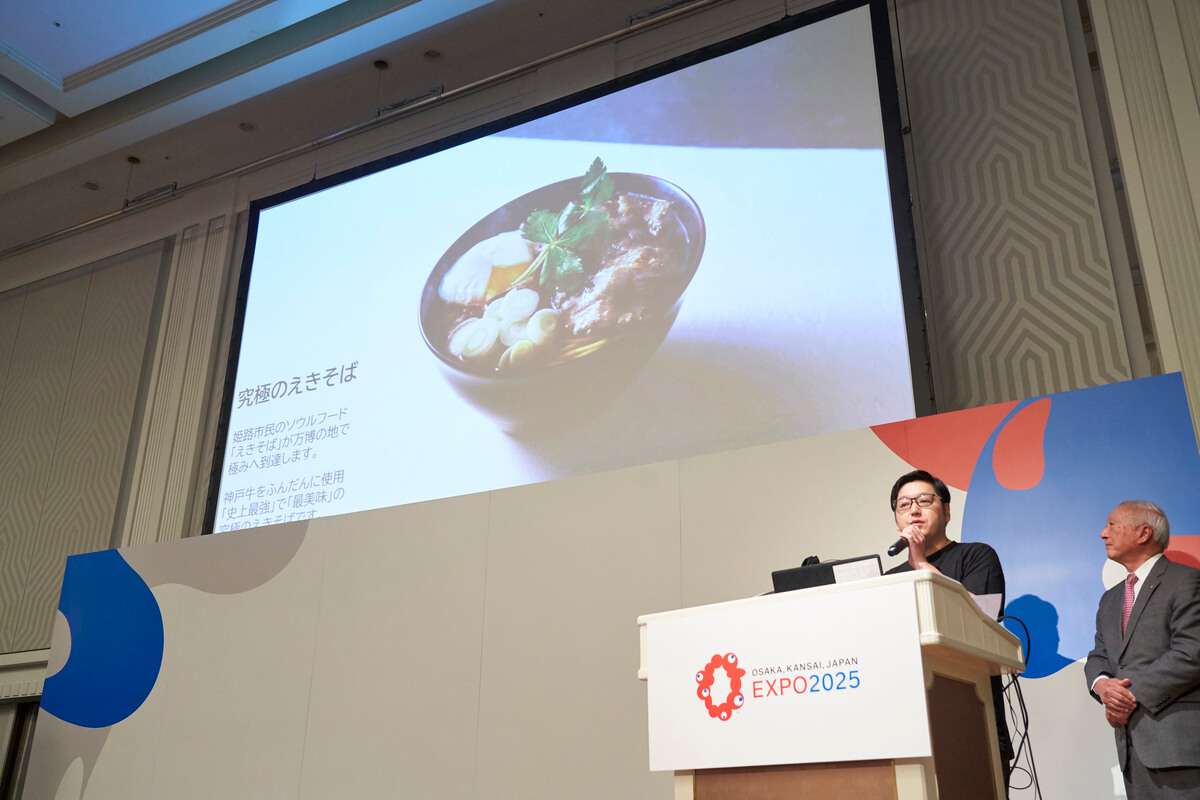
<point>1130,580</point>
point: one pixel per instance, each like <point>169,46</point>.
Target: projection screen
<point>713,254</point>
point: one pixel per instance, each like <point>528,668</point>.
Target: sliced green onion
<point>542,325</point>
<point>516,355</point>
<point>511,333</point>
<point>474,339</point>
<point>519,305</point>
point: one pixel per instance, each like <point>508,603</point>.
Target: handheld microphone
<point>898,547</point>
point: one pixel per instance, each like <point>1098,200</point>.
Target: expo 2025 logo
<point>705,678</point>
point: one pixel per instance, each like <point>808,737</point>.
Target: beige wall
<point>480,646</point>
<point>486,646</point>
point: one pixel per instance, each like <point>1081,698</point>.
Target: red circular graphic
<point>705,678</point>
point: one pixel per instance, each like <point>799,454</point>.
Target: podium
<point>877,688</point>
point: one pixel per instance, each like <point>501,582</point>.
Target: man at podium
<point>921,505</point>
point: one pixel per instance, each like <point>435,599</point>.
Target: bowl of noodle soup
<point>542,340</point>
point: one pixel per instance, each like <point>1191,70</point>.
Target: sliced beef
<point>630,282</point>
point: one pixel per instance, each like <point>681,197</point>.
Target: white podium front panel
<point>802,677</point>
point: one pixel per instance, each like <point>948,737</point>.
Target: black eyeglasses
<point>922,500</point>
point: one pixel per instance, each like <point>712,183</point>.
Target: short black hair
<point>939,488</point>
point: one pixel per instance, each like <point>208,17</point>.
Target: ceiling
<point>103,103</point>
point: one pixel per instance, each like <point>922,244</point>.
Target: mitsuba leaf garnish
<point>597,186</point>
<point>565,233</point>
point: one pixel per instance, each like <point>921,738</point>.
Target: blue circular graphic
<point>116,642</point>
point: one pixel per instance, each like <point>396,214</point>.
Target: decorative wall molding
<point>165,472</point>
<point>183,480</point>
<point>1189,33</point>
<point>22,675</point>
<point>1148,53</point>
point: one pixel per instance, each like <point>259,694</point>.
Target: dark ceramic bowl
<point>561,393</point>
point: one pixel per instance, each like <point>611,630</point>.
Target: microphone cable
<point>1020,713</point>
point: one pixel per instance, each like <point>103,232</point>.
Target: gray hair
<point>1143,512</point>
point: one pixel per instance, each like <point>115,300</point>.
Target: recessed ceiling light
<point>247,126</point>
<point>433,55</point>
<point>381,64</point>
<point>91,186</point>
<point>133,159</point>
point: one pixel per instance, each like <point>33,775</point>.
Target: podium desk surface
<point>948,617</point>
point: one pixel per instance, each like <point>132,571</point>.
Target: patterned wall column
<point>1019,285</point>
<point>1149,54</point>
<point>74,346</point>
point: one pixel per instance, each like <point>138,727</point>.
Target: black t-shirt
<point>973,564</point>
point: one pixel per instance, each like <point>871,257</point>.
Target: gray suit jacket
<point>1160,655</point>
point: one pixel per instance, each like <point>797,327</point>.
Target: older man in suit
<point>1145,667</point>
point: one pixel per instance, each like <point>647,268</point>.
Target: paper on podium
<point>988,604</point>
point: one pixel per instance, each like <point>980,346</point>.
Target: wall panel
<point>571,565</point>
<point>425,570</point>
<point>725,495</point>
<point>10,317</point>
<point>72,349</point>
<point>38,378</point>
<point>93,434</point>
<point>1016,264</point>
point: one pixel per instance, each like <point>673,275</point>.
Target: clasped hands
<point>1119,702</point>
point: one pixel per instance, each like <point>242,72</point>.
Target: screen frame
<point>893,131</point>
